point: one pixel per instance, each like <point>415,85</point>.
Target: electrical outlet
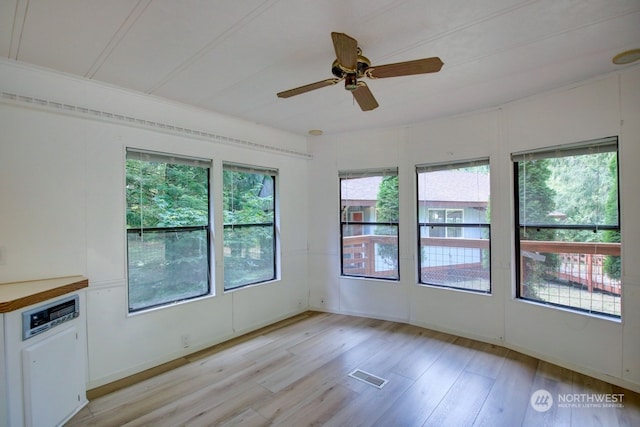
<point>185,340</point>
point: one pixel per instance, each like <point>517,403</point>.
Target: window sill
<point>602,316</point>
<point>170,305</point>
<point>373,279</point>
<point>252,285</point>
<point>452,288</point>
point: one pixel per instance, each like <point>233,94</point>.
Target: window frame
<point>258,170</point>
<point>169,159</point>
<point>561,151</point>
<point>486,226</point>
<point>367,173</point>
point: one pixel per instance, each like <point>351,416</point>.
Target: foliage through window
<point>249,225</point>
<point>454,256</point>
<point>369,207</point>
<point>167,200</point>
<point>568,245</point>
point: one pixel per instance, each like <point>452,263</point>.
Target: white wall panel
<point>477,316</point>
<point>274,301</point>
<point>42,231</point>
<point>121,345</point>
<point>377,298</point>
<point>105,204</point>
<point>586,111</point>
<point>571,339</point>
<point>460,138</point>
<point>630,205</point>
<point>630,174</point>
<point>631,326</point>
<point>62,208</point>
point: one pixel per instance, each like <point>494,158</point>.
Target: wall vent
<point>368,378</point>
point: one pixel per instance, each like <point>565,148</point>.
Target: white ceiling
<point>233,56</point>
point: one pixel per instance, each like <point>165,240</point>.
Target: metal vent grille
<point>74,110</point>
<point>368,378</point>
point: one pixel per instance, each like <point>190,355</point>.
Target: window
<point>249,225</point>
<point>454,256</point>
<point>449,216</point>
<point>568,237</point>
<point>369,223</point>
<point>168,227</point>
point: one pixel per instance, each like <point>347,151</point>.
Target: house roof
<point>453,186</point>
<point>439,186</point>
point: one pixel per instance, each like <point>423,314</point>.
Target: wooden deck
<point>295,373</point>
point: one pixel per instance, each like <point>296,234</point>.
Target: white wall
<point>597,346</point>
<point>62,210</point>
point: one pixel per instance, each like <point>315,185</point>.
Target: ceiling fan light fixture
<point>351,81</point>
<point>626,57</point>
<point>315,132</point>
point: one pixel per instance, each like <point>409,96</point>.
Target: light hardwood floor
<point>295,373</point>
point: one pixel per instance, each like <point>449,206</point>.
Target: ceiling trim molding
<point>105,116</point>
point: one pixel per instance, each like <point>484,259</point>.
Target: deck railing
<point>579,262</point>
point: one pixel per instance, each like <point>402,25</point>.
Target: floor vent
<point>368,378</point>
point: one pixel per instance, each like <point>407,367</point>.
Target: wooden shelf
<point>21,294</point>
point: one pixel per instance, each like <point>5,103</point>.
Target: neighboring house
<point>453,197</point>
<point>359,197</point>
<point>445,197</point>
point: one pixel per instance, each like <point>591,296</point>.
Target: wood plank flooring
<point>295,373</point>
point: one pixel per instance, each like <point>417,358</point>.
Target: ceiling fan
<point>351,66</point>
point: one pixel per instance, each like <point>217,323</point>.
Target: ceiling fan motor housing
<point>361,66</point>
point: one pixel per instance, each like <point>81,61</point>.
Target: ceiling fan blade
<point>307,88</point>
<point>346,50</point>
<point>418,66</point>
<point>364,97</point>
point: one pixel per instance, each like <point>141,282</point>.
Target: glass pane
<point>457,263</point>
<point>370,251</point>
<point>248,198</point>
<point>557,269</point>
<point>167,266</point>
<point>374,198</point>
<point>454,195</point>
<point>166,195</point>
<point>457,257</point>
<point>437,215</point>
<point>249,231</point>
<point>565,257</point>
<point>248,255</point>
<point>569,190</point>
<point>454,216</point>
